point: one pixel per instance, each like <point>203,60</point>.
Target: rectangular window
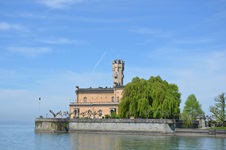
<point>85,99</point>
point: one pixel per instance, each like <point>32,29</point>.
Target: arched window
<point>85,99</point>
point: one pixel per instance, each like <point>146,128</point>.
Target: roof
<point>119,86</point>
<point>96,90</point>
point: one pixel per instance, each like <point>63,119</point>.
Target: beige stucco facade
<point>90,101</point>
<point>98,102</point>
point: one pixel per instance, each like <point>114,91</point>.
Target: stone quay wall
<point>51,125</point>
<point>147,126</point>
<point>123,125</point>
<point>199,132</point>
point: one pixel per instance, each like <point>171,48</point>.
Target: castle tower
<point>118,68</point>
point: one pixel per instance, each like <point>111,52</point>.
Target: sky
<point>47,47</point>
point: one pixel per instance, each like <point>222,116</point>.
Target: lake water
<point>22,137</point>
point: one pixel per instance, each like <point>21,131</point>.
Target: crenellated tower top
<point>118,68</point>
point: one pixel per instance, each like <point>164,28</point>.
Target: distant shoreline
<point>16,122</point>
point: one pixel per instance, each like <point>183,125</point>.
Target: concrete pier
<point>51,125</point>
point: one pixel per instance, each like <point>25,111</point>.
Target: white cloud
<point>7,26</point>
<point>193,40</point>
<point>30,51</point>
<point>151,31</point>
<point>58,3</point>
<point>214,61</point>
<point>99,61</point>
<point>63,41</point>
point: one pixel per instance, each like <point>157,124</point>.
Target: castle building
<point>101,101</point>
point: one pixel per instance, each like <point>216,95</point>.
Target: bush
<point>114,115</point>
<point>107,116</point>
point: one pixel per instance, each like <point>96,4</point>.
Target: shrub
<point>107,116</point>
<point>114,115</point>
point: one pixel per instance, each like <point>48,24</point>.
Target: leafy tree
<point>143,108</point>
<point>192,107</point>
<point>187,120</point>
<point>218,109</point>
<point>153,98</point>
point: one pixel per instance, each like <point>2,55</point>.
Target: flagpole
<point>39,100</point>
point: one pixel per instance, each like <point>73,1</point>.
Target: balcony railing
<point>93,103</point>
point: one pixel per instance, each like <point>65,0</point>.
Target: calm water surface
<point>22,137</point>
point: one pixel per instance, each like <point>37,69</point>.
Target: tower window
<point>115,75</point>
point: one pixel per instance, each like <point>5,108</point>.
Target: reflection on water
<point>23,137</point>
<point>122,141</point>
<point>112,141</point>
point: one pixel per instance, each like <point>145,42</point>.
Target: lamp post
<point>39,102</point>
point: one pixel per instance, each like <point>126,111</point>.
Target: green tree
<point>218,109</point>
<point>153,98</point>
<point>143,108</point>
<point>192,107</point>
<point>187,120</point>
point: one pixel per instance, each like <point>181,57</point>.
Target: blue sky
<point>50,46</point>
